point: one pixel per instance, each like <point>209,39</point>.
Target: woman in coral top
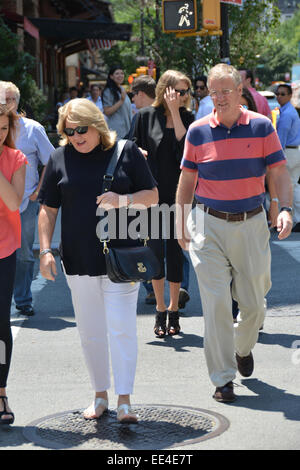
<point>12,181</point>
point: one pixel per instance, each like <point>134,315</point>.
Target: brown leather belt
<point>230,217</point>
<point>292,146</point>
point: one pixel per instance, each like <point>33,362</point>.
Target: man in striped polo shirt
<point>226,157</point>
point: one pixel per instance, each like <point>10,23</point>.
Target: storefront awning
<point>21,21</point>
<point>52,28</point>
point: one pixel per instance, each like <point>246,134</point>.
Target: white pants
<point>105,313</point>
<point>293,166</point>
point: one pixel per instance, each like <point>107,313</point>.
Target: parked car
<point>272,101</point>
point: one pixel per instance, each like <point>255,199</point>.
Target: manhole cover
<point>159,427</point>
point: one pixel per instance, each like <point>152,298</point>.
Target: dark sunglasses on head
<point>80,130</point>
<point>182,92</point>
<point>280,94</point>
<point>200,87</point>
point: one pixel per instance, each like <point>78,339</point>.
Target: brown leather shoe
<point>245,364</point>
<point>225,394</point>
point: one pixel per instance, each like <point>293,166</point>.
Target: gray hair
<point>9,86</point>
<point>220,71</point>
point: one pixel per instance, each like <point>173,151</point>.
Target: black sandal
<point>173,324</point>
<point>160,327</point>
<point>5,412</point>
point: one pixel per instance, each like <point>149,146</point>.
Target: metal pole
<point>224,39</point>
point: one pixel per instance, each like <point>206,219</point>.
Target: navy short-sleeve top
<point>72,182</point>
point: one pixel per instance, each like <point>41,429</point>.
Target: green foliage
<point>16,66</point>
<point>289,31</point>
<point>190,54</point>
<point>280,50</point>
<point>248,27</point>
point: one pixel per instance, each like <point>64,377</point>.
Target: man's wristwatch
<point>287,209</point>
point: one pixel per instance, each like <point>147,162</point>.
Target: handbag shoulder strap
<point>109,174</point>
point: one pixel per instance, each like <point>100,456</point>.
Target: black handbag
<point>126,264</point>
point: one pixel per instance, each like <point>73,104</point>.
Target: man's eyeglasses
<point>200,87</point>
<point>134,93</point>
<point>80,130</point>
<point>182,92</point>
<point>225,92</point>
<point>281,94</point>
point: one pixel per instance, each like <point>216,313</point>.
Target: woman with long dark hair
<point>116,104</point>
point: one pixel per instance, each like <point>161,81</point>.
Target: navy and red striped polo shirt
<point>231,163</point>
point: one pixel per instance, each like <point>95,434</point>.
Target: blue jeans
<point>186,271</point>
<point>25,258</point>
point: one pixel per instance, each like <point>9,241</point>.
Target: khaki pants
<point>236,252</point>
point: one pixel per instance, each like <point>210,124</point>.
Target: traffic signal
<point>179,15</point>
<point>143,70</point>
<point>211,14</point>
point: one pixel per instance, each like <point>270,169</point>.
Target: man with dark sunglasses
<point>201,93</point>
<point>288,129</point>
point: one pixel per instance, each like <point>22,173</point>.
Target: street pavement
<point>48,375</point>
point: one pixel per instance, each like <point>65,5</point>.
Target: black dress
<point>164,157</point>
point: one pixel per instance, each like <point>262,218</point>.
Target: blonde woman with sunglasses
<point>105,312</point>
<point>160,131</point>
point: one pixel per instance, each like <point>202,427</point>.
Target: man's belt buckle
<point>238,217</point>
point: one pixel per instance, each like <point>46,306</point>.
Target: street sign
<point>179,15</point>
<point>233,2</point>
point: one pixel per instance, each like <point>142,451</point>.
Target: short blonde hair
<point>170,79</point>
<point>13,122</point>
<point>220,71</point>
<point>84,112</point>
<point>10,86</point>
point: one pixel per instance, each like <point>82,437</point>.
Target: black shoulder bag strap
<point>109,174</point>
<point>108,178</point>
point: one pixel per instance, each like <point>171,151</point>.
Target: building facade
<point>56,33</point>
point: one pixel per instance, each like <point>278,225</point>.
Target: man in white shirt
<point>205,104</point>
<point>96,96</point>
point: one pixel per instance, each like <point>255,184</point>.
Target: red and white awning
<point>97,44</point>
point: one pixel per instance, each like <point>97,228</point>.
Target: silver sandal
<point>125,414</point>
<point>98,402</point>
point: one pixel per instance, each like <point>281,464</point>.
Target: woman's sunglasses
<point>182,92</point>
<point>80,130</point>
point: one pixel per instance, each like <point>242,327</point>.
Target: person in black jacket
<point>160,132</point>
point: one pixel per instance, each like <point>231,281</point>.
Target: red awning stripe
<point>97,44</point>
